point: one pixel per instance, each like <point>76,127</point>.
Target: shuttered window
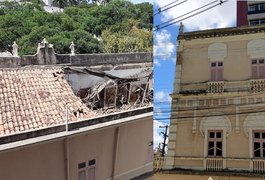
<point>216,71</point>
<point>258,69</point>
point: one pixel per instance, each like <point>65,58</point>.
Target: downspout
<point>115,152</point>
<point>66,146</point>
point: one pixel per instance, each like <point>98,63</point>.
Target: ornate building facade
<point>218,114</point>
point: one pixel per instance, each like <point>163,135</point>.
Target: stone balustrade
<point>257,85</point>
<point>215,87</point>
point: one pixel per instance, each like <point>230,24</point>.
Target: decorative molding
<point>222,32</point>
<point>194,121</point>
<point>256,48</point>
<point>237,120</point>
<point>215,121</point>
<point>254,121</point>
<point>217,52</point>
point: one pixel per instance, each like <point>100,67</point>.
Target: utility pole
<point>164,141</point>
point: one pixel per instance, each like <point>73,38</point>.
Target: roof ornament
<point>181,28</point>
<point>15,49</point>
<point>44,41</point>
<point>72,47</point>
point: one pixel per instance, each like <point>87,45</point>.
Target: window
<point>256,8</point>
<point>262,6</point>
<point>254,22</point>
<point>82,171</point>
<point>253,7</point>
<point>259,144</point>
<point>216,71</point>
<point>258,68</point>
<point>215,143</point>
<point>87,171</point>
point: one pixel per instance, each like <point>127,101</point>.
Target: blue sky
<point>165,44</point>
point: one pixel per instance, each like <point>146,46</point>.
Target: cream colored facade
<point>217,111</point>
<point>121,150</point>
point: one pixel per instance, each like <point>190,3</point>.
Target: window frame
<point>261,142</point>
<point>86,169</point>
<point>217,71</point>
<point>215,140</point>
<point>260,68</point>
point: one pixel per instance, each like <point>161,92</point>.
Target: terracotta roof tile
<point>35,98</point>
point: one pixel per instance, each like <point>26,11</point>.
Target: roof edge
<point>73,125</point>
<point>221,32</point>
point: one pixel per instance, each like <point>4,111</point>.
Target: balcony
<point>214,164</point>
<point>215,87</point>
<point>258,166</point>
<point>257,85</point>
<point>158,163</point>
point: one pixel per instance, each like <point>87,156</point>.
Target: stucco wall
<point>42,162</point>
<point>237,64</point>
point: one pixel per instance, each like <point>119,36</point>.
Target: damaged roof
<point>134,73</point>
<point>34,98</point>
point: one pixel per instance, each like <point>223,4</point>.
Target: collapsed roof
<point>35,98</point>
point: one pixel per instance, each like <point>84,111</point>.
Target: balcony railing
<point>259,166</point>
<point>215,87</point>
<point>158,163</point>
<point>257,85</point>
<point>214,164</point>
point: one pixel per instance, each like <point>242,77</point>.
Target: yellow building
<point>218,114</point>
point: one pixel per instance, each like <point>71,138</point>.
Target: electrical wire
<point>214,115</point>
<point>159,28</point>
<point>160,11</point>
<point>189,12</point>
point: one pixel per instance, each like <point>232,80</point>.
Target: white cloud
<point>162,96</point>
<point>220,16</point>
<point>163,47</point>
<point>157,137</point>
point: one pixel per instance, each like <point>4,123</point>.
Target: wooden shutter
<point>220,74</point>
<point>213,74</point>
<point>82,175</point>
<point>254,71</point>
<point>261,69</point>
<point>92,173</point>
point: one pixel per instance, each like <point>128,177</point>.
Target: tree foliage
<point>123,26</point>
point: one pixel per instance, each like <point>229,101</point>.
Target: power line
<point>189,12</point>
<point>192,108</point>
<point>160,11</point>
<point>158,26</point>
<point>214,115</point>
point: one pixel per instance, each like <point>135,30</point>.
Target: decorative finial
<point>15,49</point>
<point>72,47</point>
<point>181,28</point>
<point>44,41</point>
